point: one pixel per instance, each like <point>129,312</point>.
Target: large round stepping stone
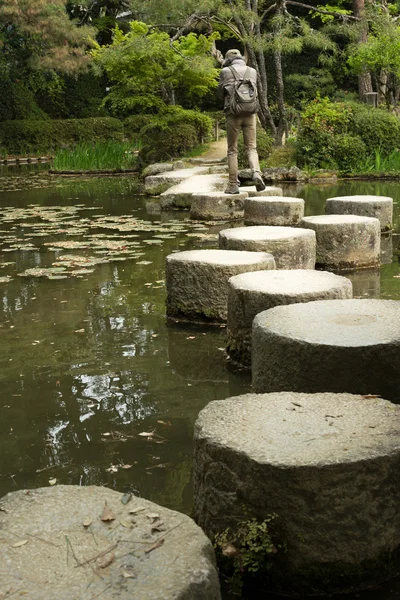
<point>327,465</point>
<point>197,281</point>
<point>346,242</point>
<point>252,293</point>
<point>379,207</point>
<point>291,247</point>
<point>72,542</point>
<point>270,190</point>
<point>328,345</point>
<point>213,206</point>
<point>275,210</point>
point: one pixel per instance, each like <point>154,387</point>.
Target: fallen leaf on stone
<point>126,498</point>
<point>87,522</point>
<point>53,481</point>
<point>107,514</point>
<point>155,546</point>
<point>126,524</point>
<point>105,561</point>
<point>128,574</point>
<point>158,528</point>
<point>366,396</point>
<point>135,510</point>
<point>146,433</point>
<point>19,544</point>
<point>153,517</point>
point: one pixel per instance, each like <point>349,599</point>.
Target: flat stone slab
<point>197,281</point>
<point>213,205</point>
<point>273,210</point>
<point>292,248</point>
<point>379,207</point>
<point>327,465</point>
<point>156,184</point>
<point>180,195</point>
<point>270,190</point>
<point>328,345</point>
<point>50,538</point>
<point>157,168</point>
<point>346,242</point>
<point>252,293</point>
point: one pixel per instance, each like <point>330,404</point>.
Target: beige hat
<point>233,52</point>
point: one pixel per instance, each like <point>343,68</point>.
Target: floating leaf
<point>146,433</point>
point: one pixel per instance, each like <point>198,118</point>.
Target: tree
<point>147,69</point>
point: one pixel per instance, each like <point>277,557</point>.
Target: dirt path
<point>217,150</point>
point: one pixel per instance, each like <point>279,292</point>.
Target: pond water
<point>96,388</point>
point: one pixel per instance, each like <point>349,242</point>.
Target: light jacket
<point>227,79</point>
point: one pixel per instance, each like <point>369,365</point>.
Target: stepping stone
<point>292,248</point>
<point>346,242</point>
<point>252,293</point>
<point>180,195</point>
<point>50,538</point>
<point>156,184</point>
<point>197,281</point>
<point>326,465</point>
<point>274,210</point>
<point>270,190</point>
<point>213,206</point>
<point>329,345</point>
<point>379,207</point>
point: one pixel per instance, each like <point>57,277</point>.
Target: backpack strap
<point>234,73</point>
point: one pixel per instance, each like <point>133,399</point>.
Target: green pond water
<point>95,387</point>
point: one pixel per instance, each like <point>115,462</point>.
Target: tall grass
<point>96,156</point>
<point>378,164</point>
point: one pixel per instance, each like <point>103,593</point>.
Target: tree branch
<point>322,12</point>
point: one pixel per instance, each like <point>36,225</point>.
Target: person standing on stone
<point>234,79</point>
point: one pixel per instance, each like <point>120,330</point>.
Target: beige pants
<point>234,125</point>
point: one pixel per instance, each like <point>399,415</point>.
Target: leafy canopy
<point>147,69</point>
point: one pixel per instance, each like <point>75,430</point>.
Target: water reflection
<point>88,363</point>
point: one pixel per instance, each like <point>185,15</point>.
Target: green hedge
<point>172,134</point>
<point>340,135</point>
<point>20,137</point>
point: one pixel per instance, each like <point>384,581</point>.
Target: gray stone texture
<point>252,293</point>
<point>157,168</point>
<point>279,211</point>
<point>213,206</point>
<point>327,464</point>
<point>157,184</point>
<point>269,190</point>
<point>378,207</point>
<point>346,242</point>
<point>329,345</point>
<point>53,563</point>
<point>180,195</point>
<point>197,281</point>
<point>283,174</point>
<point>292,248</point>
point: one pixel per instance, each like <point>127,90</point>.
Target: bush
<point>20,137</point>
<point>378,129</point>
<point>172,134</point>
<point>264,147</point>
<point>341,134</point>
<point>134,123</point>
<point>348,152</point>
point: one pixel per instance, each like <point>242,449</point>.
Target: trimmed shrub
<point>348,151</point>
<point>379,129</point>
<point>264,147</point>
<point>172,134</point>
<point>19,137</point>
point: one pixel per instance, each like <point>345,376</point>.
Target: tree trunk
<point>280,86</point>
<point>364,79</point>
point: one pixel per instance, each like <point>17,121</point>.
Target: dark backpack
<point>244,98</point>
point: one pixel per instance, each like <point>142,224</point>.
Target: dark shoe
<point>260,185</point>
<point>232,189</point>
